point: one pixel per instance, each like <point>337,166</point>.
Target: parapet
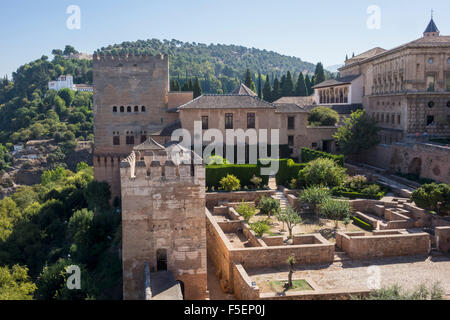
<point>107,58</point>
<point>152,168</point>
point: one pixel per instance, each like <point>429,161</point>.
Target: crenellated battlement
<point>161,166</point>
<point>109,58</point>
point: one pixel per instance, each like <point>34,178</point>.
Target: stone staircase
<point>284,203</point>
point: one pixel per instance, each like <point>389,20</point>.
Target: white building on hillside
<point>67,82</point>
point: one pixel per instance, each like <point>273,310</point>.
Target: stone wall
<point>442,235</point>
<point>358,245</point>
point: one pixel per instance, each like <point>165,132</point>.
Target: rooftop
<point>337,82</point>
<point>244,90</point>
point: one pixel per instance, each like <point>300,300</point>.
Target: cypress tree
<point>259,86</point>
<point>319,74</point>
<point>308,85</point>
<point>288,86</point>
<point>300,89</point>
<point>197,89</point>
<point>346,57</point>
<point>275,95</point>
<point>267,91</point>
<point>190,85</point>
<point>249,80</point>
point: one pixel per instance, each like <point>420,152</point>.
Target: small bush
<point>335,209</point>
<point>230,183</point>
<point>260,227</point>
<point>323,116</point>
<point>246,211</point>
<point>256,181</point>
<point>432,196</point>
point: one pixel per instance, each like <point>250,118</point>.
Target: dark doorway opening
<point>415,167</point>
<point>161,258</point>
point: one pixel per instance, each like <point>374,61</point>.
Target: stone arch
<point>415,166</point>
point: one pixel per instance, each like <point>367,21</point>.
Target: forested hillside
<point>219,67</point>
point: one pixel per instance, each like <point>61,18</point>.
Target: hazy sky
<point>320,30</point>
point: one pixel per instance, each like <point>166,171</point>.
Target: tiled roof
<point>336,82</point>
<point>300,101</point>
<point>289,108</point>
<point>431,27</point>
<point>244,90</point>
<point>227,101</point>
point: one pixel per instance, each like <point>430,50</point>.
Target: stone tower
<point>163,218</point>
<point>130,103</point>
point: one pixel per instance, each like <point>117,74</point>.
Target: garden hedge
<point>356,195</point>
<point>309,155</point>
<point>287,170</point>
<point>244,172</point>
<point>362,224</point>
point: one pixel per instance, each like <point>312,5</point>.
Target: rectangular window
<point>430,83</point>
<point>430,120</point>
<point>448,82</point>
<point>398,119</point>
<point>290,141</point>
<point>393,119</point>
<point>143,138</point>
<point>250,120</point>
<point>205,122</point>
<point>130,140</point>
<point>228,121</point>
<point>291,123</point>
<point>116,140</point>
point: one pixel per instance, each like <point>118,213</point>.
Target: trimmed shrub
<point>269,205</point>
<point>287,170</point>
<point>362,224</point>
<point>246,211</point>
<point>310,155</point>
<point>230,183</point>
<point>244,172</point>
<point>323,116</point>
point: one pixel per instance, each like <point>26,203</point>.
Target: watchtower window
<point>129,109</point>
<point>161,260</point>
<point>122,109</point>
<point>116,140</point>
<point>143,108</point>
<point>143,138</point>
<point>114,109</point>
<point>136,109</point>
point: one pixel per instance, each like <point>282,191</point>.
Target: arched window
<point>136,109</point>
<point>129,109</point>
<point>122,109</point>
<point>143,108</point>
<point>114,109</point>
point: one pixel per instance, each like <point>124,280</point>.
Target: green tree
<point>308,85</point>
<point>267,91</point>
<point>300,88</point>
<point>290,217</point>
<point>269,205</point>
<point>248,80</point>
<point>259,86</point>
<point>67,95</point>
<point>15,284</point>
<point>322,171</point>
<point>358,132</point>
<point>432,196</point>
<point>291,263</point>
<point>319,74</point>
<point>288,85</point>
<point>323,116</point>
<point>314,196</point>
<point>98,195</point>
<point>197,89</point>
<point>68,50</point>
<point>276,91</point>
<point>335,209</point>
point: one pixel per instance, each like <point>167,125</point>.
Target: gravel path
<point>407,272</point>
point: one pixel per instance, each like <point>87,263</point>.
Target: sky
<point>315,31</point>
